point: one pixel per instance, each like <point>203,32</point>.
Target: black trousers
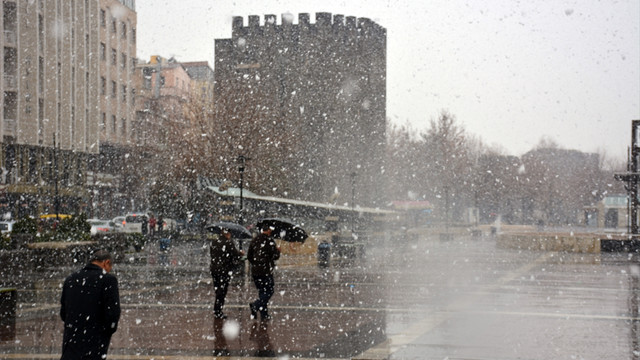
<point>220,286</point>
<point>265,286</point>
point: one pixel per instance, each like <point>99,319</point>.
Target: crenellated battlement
<point>322,20</point>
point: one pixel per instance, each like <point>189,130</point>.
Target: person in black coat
<point>224,257</point>
<point>262,255</point>
<point>90,309</point>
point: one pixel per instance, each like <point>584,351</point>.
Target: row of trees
<point>456,171</point>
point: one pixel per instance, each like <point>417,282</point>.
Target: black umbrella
<point>237,231</point>
<point>284,229</point>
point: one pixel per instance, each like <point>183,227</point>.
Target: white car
<point>119,221</point>
<point>134,221</point>
<point>99,226</point>
<point>6,226</point>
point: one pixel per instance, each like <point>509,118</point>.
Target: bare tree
<point>446,164</point>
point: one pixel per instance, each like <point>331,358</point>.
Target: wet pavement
<point>424,299</point>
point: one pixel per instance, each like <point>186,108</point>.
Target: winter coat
<point>90,309</point>
<point>262,255</point>
<point>224,256</point>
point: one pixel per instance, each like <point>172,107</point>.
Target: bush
<point>5,242</point>
<point>136,240</point>
<point>26,225</point>
<point>77,224</point>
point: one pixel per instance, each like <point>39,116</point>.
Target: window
<point>103,51</point>
<point>103,85</point>
<point>124,31</point>
<point>133,97</point>
<point>124,94</point>
<point>103,123</point>
<point>113,25</point>
<point>124,61</point>
<point>147,73</point>
<point>123,129</point>
<point>114,89</point>
<point>113,124</point>
<point>103,18</point>
<point>114,57</point>
<point>133,36</point>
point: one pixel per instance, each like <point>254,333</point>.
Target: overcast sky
<point>510,71</point>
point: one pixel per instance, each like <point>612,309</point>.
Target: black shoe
<point>220,316</point>
<point>254,311</point>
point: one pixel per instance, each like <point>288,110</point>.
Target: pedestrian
<point>224,257</point>
<point>90,309</point>
<point>152,225</point>
<point>160,223</point>
<point>144,227</point>
<point>262,255</point>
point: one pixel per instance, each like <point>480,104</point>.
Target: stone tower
<point>315,93</point>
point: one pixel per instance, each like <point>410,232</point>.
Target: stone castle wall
<point>323,84</point>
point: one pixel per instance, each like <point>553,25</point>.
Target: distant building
<point>565,181</point>
<point>165,86</point>
<point>67,72</point>
<point>310,100</point>
<point>202,79</point>
<point>612,212</point>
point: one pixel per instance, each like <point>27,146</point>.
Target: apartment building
<point>164,87</point>
<point>67,67</point>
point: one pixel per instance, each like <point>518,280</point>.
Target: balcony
<point>10,82</point>
<point>10,38</point>
<point>9,127</point>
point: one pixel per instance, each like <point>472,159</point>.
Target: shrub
<point>26,225</point>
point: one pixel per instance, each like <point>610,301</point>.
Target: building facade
<point>165,132</point>
<point>309,101</point>
<point>67,68</point>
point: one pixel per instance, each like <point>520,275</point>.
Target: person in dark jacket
<point>224,257</point>
<point>262,255</point>
<point>90,309</point>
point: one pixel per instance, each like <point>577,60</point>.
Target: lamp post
<point>353,198</point>
<point>56,199</point>
<point>241,163</point>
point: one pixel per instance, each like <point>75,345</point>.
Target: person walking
<point>224,257</point>
<point>262,255</point>
<point>152,225</point>
<point>90,309</point>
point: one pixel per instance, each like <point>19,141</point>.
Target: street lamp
<point>241,160</point>
<point>353,198</point>
<point>56,197</point>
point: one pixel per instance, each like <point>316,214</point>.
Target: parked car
<point>6,226</point>
<point>133,222</point>
<point>99,226</point>
<point>120,222</point>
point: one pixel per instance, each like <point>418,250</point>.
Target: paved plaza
<point>422,299</point>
